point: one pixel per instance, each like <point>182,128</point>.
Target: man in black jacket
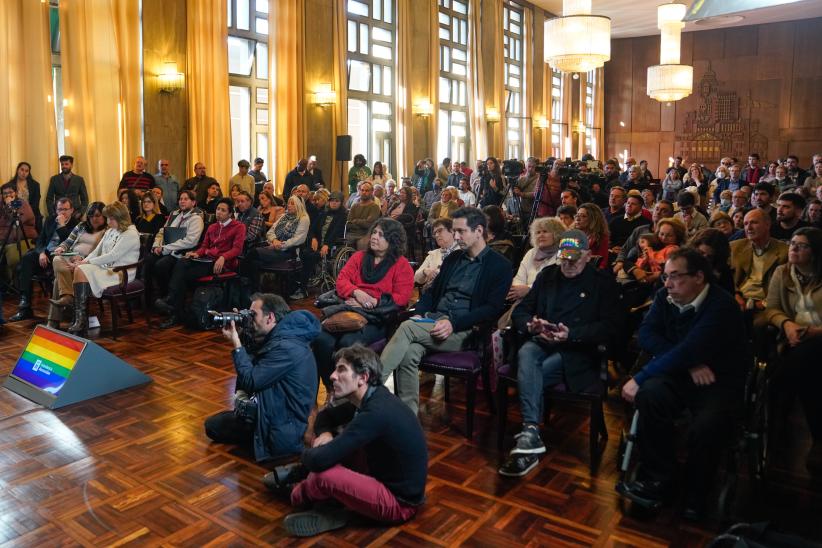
<point>276,381</point>
<point>56,228</point>
<point>379,427</point>
<point>571,309</point>
<point>67,185</point>
<point>469,290</point>
<point>695,335</point>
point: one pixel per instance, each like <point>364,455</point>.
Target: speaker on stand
<point>343,155</point>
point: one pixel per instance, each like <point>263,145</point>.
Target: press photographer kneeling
<point>276,380</point>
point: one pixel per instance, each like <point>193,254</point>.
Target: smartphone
<point>424,320</point>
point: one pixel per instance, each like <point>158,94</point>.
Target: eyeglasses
<point>674,276</point>
<point>799,245</point>
<point>63,209</point>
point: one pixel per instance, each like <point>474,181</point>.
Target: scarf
<point>371,273</point>
<point>286,227</point>
<point>540,255</point>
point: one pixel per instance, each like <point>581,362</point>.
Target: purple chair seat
<point>134,286</point>
<point>456,361</point>
<point>378,346</point>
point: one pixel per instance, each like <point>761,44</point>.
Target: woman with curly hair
<point>375,282</point>
<point>714,245</point>
<point>591,221</point>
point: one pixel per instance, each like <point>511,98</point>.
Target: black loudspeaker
<point>343,148</point>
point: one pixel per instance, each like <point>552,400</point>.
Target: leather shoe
<point>22,314</point>
<point>171,322</point>
<point>647,493</point>
<point>162,306</point>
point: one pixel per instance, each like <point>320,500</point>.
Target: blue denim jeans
<point>538,368</point>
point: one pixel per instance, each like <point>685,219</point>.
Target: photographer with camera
<point>17,226</point>
<point>276,378</point>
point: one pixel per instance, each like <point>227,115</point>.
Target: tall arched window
<point>556,114</point>
<point>248,78</point>
<point>371,62</point>
<point>452,133</point>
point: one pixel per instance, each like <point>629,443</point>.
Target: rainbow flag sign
<point>48,359</point>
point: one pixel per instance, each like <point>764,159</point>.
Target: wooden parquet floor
<point>135,468</point>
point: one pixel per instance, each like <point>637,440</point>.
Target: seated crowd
<point>601,258</point>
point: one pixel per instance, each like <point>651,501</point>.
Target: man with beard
<point>276,381</point>
<point>69,185</point>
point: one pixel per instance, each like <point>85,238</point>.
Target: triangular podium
<point>57,369</point>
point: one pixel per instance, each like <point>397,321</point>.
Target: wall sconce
<point>423,109</point>
<point>325,96</point>
<point>492,115</point>
<point>169,80</point>
<point>541,123</point>
<point>579,127</point>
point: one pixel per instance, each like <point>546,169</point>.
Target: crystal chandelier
<point>577,41</point>
<point>670,81</point>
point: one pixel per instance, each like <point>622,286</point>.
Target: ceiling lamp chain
<point>577,41</point>
<point>669,80</point>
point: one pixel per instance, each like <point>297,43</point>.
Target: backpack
<point>208,297</point>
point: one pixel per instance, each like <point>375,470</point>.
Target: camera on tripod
<point>512,169</point>
<point>14,206</point>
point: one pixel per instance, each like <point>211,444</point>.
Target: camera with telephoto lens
<point>245,407</point>
<point>241,318</point>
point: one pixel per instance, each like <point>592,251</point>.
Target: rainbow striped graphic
<point>48,359</point>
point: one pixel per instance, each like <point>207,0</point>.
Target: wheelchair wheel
<point>342,257</point>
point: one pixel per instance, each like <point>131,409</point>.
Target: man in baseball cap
<point>572,308</point>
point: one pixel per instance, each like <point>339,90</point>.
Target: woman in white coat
<point>119,246</point>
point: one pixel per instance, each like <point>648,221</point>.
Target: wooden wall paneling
<point>807,77</point>
<point>618,97</point>
<point>740,42</point>
<point>755,89</point>
<point>319,53</point>
<point>165,114</point>
<point>645,114</point>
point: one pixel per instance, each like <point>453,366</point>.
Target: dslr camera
<point>241,318</point>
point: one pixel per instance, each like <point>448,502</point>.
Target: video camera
<point>14,205</point>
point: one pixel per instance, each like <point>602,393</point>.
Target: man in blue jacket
<point>276,382</point>
<point>469,290</point>
<point>695,335</point>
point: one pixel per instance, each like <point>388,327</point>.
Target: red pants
<point>357,492</point>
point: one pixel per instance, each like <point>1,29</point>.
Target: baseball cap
<point>572,243</point>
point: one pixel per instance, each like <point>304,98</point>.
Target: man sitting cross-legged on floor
<point>469,290</point>
<point>378,429</point>
<point>571,308</point>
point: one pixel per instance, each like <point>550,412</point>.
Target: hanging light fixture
<point>577,41</point>
<point>670,81</point>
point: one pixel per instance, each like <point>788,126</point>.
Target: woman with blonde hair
<point>544,232</point>
<point>119,246</point>
<point>284,238</point>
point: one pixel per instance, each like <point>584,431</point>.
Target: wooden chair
<point>592,396</point>
<point>123,293</point>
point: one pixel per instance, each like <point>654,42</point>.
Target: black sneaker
<point>518,465</point>
<point>285,477</point>
<point>316,521</point>
<point>528,442</point>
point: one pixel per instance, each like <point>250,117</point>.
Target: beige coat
<point>782,297</point>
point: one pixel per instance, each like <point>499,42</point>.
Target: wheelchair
<point>328,269</point>
<point>749,445</point>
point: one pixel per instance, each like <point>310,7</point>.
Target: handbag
<point>344,322</point>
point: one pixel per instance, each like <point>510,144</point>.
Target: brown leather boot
<point>64,300</point>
